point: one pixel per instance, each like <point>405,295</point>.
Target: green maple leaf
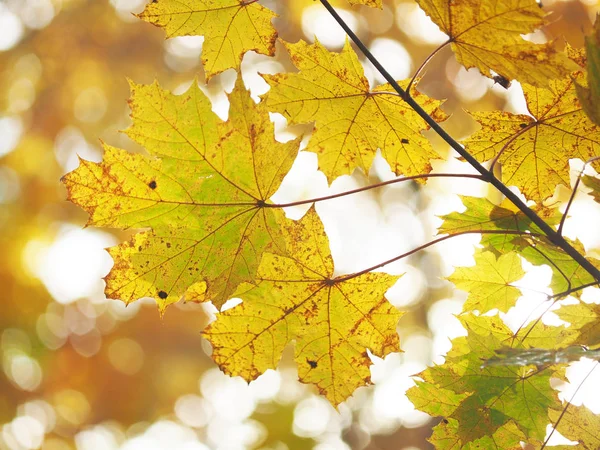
<point>488,282</point>
<point>495,396</point>
<point>492,220</point>
<point>205,199</point>
<point>585,322</point>
<point>522,236</point>
<point>594,184</point>
<point>566,272</point>
<point>507,437</point>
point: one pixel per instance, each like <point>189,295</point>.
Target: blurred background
<point>82,372</point>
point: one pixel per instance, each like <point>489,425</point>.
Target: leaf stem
<point>554,237</point>
<point>563,412</point>
<point>572,197</point>
<point>534,323</point>
<point>429,244</point>
<point>575,289</point>
<point>374,186</point>
<point>510,141</point>
<point>424,63</point>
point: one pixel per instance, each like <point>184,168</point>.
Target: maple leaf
<point>296,298</point>
<point>230,28</point>
<point>539,356</point>
<point>482,215</point>
<point>488,282</point>
<point>578,424</point>
<point>535,150</point>
<point>566,272</point>
<point>541,336</point>
<point>351,120</point>
<point>506,437</point>
<point>434,400</point>
<point>372,3</point>
<point>594,184</point>
<point>589,94</point>
<point>585,322</point>
<point>205,199</point>
<point>495,396</point>
<point>488,35</point>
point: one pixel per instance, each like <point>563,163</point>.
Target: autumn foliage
<point>203,195</point>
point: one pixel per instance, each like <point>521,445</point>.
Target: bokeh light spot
<point>317,22</point>
<point>126,355</point>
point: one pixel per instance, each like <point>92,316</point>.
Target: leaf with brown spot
<point>296,299</point>
<point>371,3</point>
<point>488,35</point>
<point>535,157</point>
<point>578,424</point>
<point>585,323</point>
<point>230,28</point>
<point>351,120</point>
<point>204,198</point>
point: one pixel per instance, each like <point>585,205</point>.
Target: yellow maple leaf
<point>585,322</point>
<point>487,35</point>
<point>579,424</point>
<point>351,120</point>
<point>230,28</point>
<point>332,321</point>
<point>372,3</point>
<point>205,199</point>
<point>535,150</point>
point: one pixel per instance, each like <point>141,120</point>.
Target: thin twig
<point>510,141</point>
<point>572,197</point>
<point>555,298</point>
<point>567,406</point>
<point>424,63</point>
<point>429,244</point>
<point>575,289</point>
<point>374,186</point>
<point>534,323</point>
